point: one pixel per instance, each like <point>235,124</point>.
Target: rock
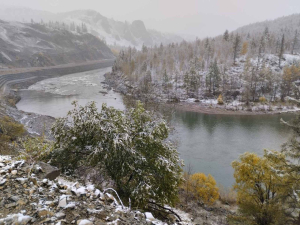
<point>14,172</point>
<point>22,180</point>
<point>84,222</point>
<point>14,204</point>
<point>62,201</point>
<point>22,202</point>
<point>45,212</point>
<point>60,215</point>
<point>14,198</point>
<point>109,198</point>
<point>149,216</point>
<point>51,172</point>
<point>17,219</point>
<point>2,182</point>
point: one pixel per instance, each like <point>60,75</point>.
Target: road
<point>24,77</point>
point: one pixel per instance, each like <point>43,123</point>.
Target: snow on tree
<point>130,146</point>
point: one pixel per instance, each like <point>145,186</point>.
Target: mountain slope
<point>35,45</point>
<point>113,32</point>
<point>286,25</point>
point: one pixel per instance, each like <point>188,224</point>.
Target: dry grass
<point>227,196</point>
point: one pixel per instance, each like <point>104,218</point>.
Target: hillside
<point>35,45</point>
<point>112,31</point>
<point>254,69</point>
<point>287,25</point>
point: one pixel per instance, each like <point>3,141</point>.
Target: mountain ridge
<point>113,32</point>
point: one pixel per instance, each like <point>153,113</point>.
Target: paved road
<point>24,77</point>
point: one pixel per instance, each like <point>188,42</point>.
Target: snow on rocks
<point>36,200</point>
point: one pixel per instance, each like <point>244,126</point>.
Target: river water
<point>208,143</point>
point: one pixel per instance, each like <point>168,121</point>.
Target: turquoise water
<point>209,143</point>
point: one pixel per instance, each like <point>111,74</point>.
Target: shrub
<point>220,100</point>
<point>9,132</point>
<point>262,100</point>
<point>131,146</point>
<point>35,149</point>
<point>204,188</point>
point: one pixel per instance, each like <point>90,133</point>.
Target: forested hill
<point>244,66</point>
<point>287,25</point>
<point>38,45</point>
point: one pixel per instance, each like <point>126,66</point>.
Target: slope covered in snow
<point>113,32</point>
<point>35,45</point>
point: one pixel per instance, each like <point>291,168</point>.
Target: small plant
<point>204,188</point>
<point>34,150</point>
<point>262,100</point>
<point>220,100</point>
<point>9,132</point>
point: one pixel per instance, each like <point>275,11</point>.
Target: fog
<point>190,17</point>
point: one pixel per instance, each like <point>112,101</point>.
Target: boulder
<point>50,172</point>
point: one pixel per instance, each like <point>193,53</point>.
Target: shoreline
<point>210,110</point>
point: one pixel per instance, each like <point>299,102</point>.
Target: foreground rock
<point>32,200</point>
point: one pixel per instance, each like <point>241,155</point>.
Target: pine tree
<point>295,42</point>
<point>226,36</point>
<point>281,51</point>
<point>236,47</point>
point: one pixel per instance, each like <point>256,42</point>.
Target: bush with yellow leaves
<point>220,100</point>
<point>204,188</point>
<point>262,99</point>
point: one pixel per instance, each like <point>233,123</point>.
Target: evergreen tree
<point>236,47</point>
<point>226,35</point>
<point>281,51</point>
<point>295,42</point>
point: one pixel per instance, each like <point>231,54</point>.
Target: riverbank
<point>214,110</point>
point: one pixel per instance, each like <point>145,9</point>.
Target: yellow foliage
<point>262,99</point>
<point>204,188</point>
<point>259,186</point>
<point>220,100</point>
<point>10,129</point>
<point>291,73</point>
<point>116,52</point>
<point>244,48</point>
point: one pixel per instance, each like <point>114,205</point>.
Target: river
<point>208,143</point>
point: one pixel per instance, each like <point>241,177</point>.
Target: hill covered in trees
<point>259,62</point>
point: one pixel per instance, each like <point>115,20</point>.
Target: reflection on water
<point>209,143</point>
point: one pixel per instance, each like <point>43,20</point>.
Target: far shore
<point>213,110</point>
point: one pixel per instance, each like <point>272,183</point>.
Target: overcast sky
<point>195,17</point>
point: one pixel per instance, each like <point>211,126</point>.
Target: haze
<point>190,17</point>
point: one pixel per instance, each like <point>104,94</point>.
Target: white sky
<point>195,17</point>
